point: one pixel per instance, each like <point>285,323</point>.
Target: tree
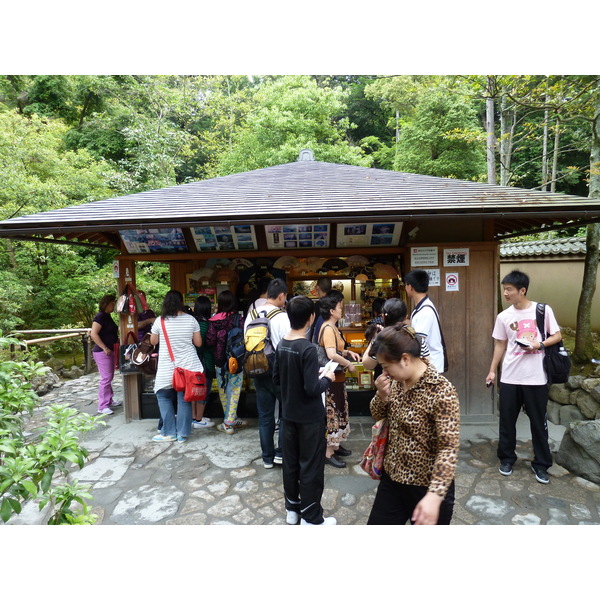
<point>291,113</point>
<point>443,138</point>
<point>584,348</point>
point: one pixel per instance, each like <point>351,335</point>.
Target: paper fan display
<point>286,263</point>
<point>383,271</point>
<point>217,263</point>
<point>203,274</point>
<point>240,263</point>
<point>226,275</point>
<point>357,260</point>
<point>314,263</point>
<point>334,265</point>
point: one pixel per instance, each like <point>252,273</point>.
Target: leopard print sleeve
<point>446,414</point>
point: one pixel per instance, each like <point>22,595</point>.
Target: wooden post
<point>131,383</point>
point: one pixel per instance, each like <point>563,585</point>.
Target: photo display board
<point>154,241</point>
<point>356,235</point>
<point>226,237</point>
<point>290,237</point>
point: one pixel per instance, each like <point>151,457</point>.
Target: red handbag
<point>192,383</point>
<point>372,460</point>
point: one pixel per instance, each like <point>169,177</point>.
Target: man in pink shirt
<point>523,382</point>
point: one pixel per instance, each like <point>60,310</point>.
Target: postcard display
<point>363,281</point>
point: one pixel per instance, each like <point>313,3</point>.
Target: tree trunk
<point>491,141</point>
<point>545,154</point>
<point>583,338</point>
<point>555,156</point>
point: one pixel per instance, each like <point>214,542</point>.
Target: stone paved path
<point>215,479</point>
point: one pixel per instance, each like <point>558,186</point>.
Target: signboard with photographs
<point>356,235</point>
<point>291,237</point>
<point>154,241</point>
<point>226,237</point>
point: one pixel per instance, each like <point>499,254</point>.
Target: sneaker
<point>291,517</point>
<point>239,423</point>
<point>278,460</point>
<point>540,474</point>
<point>267,465</point>
<point>164,438</point>
<point>203,424</point>
<point>226,428</point>
<point>505,468</point>
<point>326,521</point>
<point>116,403</point>
<point>181,439</point>
<point>105,411</point>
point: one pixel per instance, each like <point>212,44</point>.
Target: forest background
<point>71,139</point>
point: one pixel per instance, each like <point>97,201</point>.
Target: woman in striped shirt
<point>183,332</point>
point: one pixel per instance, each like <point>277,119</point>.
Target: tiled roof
<point>564,246</point>
<point>309,190</point>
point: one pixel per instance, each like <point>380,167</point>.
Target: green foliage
<point>38,175</point>
<point>13,298</point>
<point>292,113</point>
<point>29,461</point>
<point>443,139</point>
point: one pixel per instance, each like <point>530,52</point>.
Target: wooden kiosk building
<point>364,227</point>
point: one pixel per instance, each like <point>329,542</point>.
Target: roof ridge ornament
<point>306,154</point>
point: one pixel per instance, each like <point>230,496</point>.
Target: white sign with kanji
<point>434,277</point>
<point>424,256</point>
<point>456,257</point>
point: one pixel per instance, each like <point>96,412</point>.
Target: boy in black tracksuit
<point>296,370</point>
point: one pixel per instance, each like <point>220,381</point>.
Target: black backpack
<point>557,363</point>
<point>234,348</point>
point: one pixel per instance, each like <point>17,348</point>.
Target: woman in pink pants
<point>105,334</point>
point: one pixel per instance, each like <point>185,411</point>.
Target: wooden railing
<point>60,334</point>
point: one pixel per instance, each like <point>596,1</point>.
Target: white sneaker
<point>291,517</point>
<point>326,521</point>
<point>105,411</point>
<point>116,403</point>
<point>203,424</point>
<point>278,460</point>
<point>267,465</point>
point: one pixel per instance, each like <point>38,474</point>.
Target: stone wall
<point>576,404</point>
<point>576,400</point>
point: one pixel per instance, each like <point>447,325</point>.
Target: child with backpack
<point>225,321</point>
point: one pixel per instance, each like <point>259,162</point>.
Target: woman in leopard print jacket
<point>423,415</point>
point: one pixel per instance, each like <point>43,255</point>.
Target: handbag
<point>145,356</point>
<point>322,353</point>
<point>372,460</point>
<point>192,383</point>
<point>557,363</point>
<point>126,364</point>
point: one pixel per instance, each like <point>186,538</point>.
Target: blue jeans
<point>182,428</point>
<point>267,396</point>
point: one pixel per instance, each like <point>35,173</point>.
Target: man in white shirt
<point>262,287</point>
<point>267,394</point>
<point>424,318</point>
<point>523,382</point>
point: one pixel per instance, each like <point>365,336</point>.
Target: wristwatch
<point>542,347</point>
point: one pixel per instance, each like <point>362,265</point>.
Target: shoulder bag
<point>372,460</point>
<point>557,363</point>
<point>126,350</point>
<point>193,383</point>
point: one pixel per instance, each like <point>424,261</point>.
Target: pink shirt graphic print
<point>520,366</point>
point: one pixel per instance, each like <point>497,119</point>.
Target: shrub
<point>29,461</point>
